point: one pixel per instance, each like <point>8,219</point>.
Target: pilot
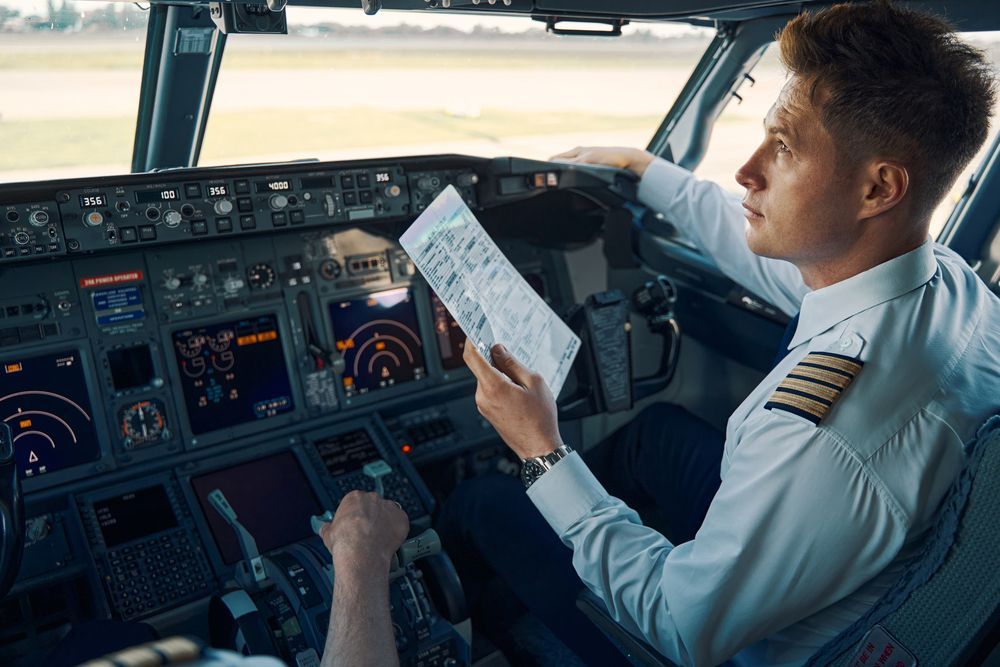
<point>782,531</point>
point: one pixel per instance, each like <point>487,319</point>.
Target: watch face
<point>530,471</point>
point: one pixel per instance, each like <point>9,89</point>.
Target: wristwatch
<point>535,467</point>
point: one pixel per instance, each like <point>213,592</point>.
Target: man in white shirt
<point>833,468</point>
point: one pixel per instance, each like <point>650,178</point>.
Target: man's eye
<point>782,148</point>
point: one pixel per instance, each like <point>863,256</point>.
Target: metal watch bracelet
<point>535,467</point>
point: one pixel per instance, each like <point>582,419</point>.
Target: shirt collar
<point>835,303</point>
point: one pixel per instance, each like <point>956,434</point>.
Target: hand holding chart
<point>485,294</point>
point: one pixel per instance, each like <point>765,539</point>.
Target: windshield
<point>343,85</point>
<point>70,74</point>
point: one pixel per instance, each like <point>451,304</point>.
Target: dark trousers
<point>664,463</point>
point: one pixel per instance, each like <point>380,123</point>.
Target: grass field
<point>51,143</point>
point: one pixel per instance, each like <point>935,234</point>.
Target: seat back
<point>944,608</point>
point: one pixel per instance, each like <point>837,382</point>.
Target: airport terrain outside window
<point>70,75</point>
<point>343,85</point>
<point>738,130</point>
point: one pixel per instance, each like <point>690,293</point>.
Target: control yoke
<point>604,373</point>
<point>11,513</point>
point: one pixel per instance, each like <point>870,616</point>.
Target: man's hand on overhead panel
<point>516,401</point>
<point>633,159</point>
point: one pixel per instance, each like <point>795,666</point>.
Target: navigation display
<point>272,500</point>
<point>377,334</point>
<point>232,373</point>
<point>43,400</point>
<point>134,515</point>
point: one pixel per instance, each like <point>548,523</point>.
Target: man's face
<point>800,205</point>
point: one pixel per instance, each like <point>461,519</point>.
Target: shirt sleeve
<point>713,220</point>
<point>796,525</point>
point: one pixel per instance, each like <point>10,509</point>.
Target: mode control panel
<point>97,218</point>
<point>29,231</point>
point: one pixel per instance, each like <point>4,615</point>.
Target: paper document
<point>487,296</point>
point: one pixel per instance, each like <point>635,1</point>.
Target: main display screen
<point>43,400</point>
<point>377,334</point>
<point>232,373</point>
<point>272,500</point>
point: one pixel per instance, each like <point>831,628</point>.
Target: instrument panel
<point>254,330</point>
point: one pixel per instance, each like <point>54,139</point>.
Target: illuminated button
<point>147,233</point>
<point>350,198</point>
<point>223,225</point>
<point>245,204</point>
<point>366,196</point>
<point>199,228</point>
<point>127,234</point>
<point>192,190</point>
<point>364,181</point>
<point>39,249</point>
<point>279,219</point>
<point>53,247</point>
<point>347,181</point>
<point>242,187</point>
<point>9,252</point>
<point>39,218</point>
<point>172,218</point>
<point>278,202</point>
<point>248,222</point>
<point>223,207</point>
<point>296,217</point>
<point>93,218</point>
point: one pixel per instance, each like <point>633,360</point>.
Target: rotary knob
<point>199,280</point>
<point>392,191</point>
<point>39,218</point>
<point>223,207</point>
<point>278,202</point>
<point>93,218</point>
<point>22,238</point>
<point>172,282</point>
<point>172,218</point>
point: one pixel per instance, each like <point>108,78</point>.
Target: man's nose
<point>749,175</point>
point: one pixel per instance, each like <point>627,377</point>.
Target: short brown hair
<point>898,84</point>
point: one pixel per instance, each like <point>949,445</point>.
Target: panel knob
<point>278,202</point>
<point>223,207</point>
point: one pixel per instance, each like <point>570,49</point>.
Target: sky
<point>308,16</point>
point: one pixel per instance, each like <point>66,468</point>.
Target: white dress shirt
<point>812,521</point>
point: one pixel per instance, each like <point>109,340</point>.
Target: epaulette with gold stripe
<point>170,651</point>
<point>814,385</point>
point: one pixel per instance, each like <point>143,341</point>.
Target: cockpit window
<point>738,131</point>
<point>344,85</point>
<point>70,74</point>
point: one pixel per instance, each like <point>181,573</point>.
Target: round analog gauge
<point>142,423</point>
<point>261,276</point>
<point>221,340</point>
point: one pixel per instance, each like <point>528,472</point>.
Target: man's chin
<point>757,242</point>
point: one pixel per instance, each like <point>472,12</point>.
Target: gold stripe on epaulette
<point>801,402</point>
<point>814,385</point>
<point>835,378</point>
<point>812,388</point>
<point>830,361</point>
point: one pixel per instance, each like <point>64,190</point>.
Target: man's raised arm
<point>709,216</point>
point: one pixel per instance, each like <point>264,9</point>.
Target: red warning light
<point>407,448</point>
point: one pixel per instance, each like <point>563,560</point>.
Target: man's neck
<point>859,258</point>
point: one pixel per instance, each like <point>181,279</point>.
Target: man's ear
<point>885,185</point>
